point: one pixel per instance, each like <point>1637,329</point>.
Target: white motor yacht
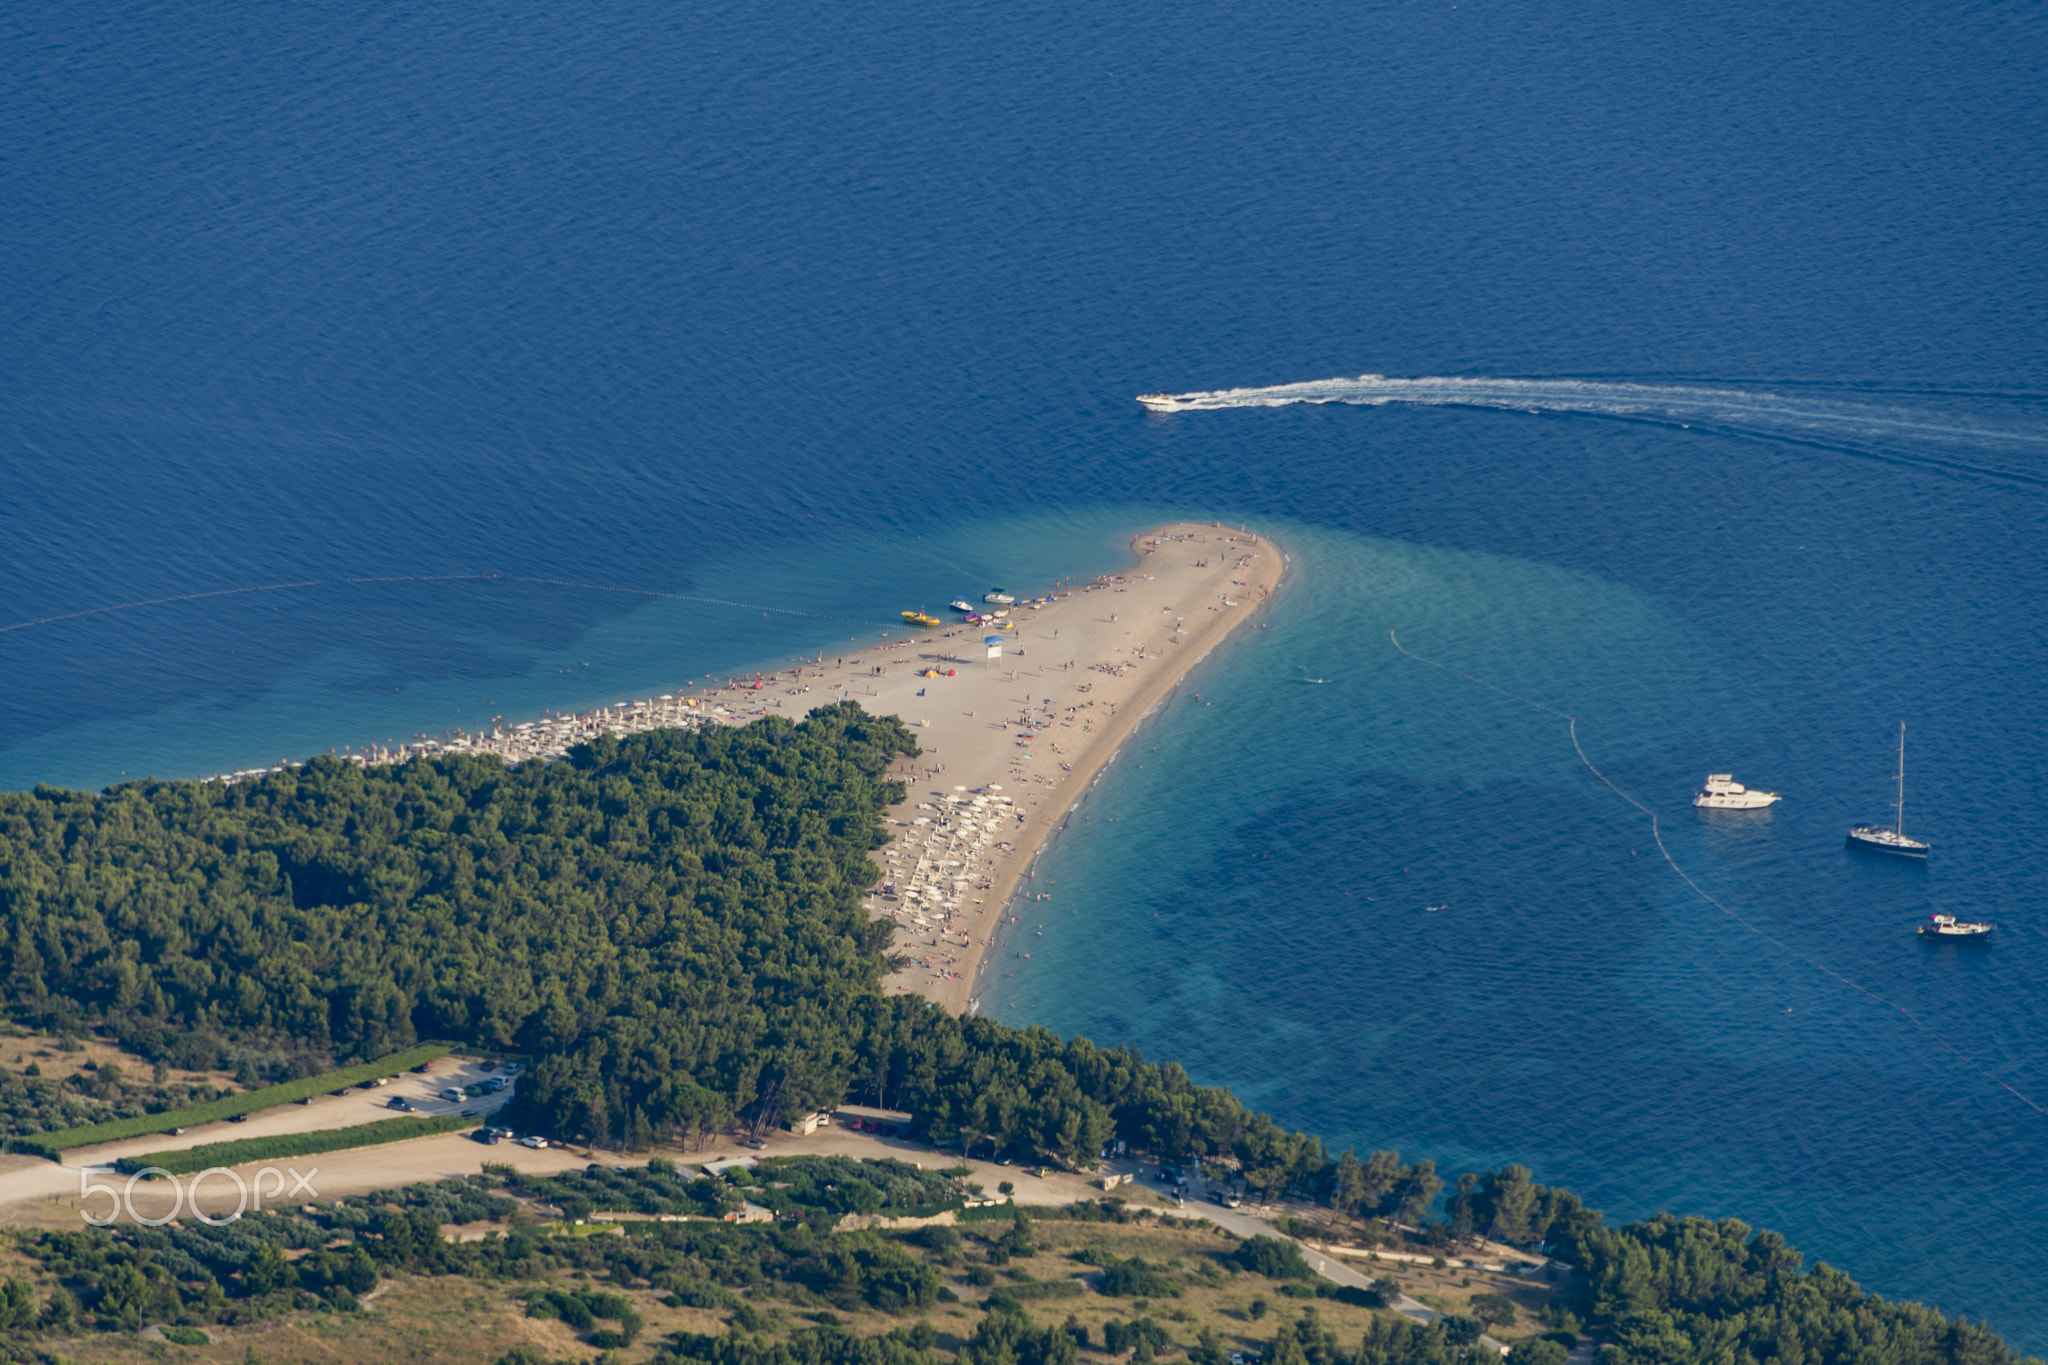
<point>1723,792</point>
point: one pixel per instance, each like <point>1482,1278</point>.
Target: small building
<point>895,1117</point>
<point>807,1124</point>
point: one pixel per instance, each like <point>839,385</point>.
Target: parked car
<point>487,1136</point>
<point>398,1102</point>
<point>534,1142</point>
<point>307,1100</point>
<point>452,1095</point>
<point>424,1067</point>
<point>755,1143</point>
<point>488,1066</point>
<point>238,1118</point>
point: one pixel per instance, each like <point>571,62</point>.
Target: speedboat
<point>961,604</point>
<point>1159,402</point>
<point>1948,926</point>
<point>1723,792</point>
<point>1879,839</point>
<point>1000,598</point>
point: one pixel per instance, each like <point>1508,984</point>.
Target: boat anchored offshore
<point>1000,598</point>
<point>1877,838</point>
<point>962,604</point>
<point>919,618</point>
<point>1723,792</point>
<point>1948,926</point>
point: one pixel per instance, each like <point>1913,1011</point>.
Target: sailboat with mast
<point>1879,839</point>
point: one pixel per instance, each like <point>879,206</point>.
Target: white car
<point>534,1142</point>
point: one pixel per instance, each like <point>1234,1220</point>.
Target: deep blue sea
<point>366,372</point>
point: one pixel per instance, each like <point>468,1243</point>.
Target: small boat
<point>918,618</point>
<point>1877,838</point>
<point>1948,926</point>
<point>1000,598</point>
<point>1723,792</point>
<point>1159,402</point>
<point>961,604</point>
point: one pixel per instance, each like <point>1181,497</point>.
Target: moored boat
<point>918,618</point>
<point>1723,792</point>
<point>1893,840</point>
<point>1948,926</point>
<point>1000,598</point>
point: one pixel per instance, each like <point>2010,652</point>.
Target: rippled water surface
<point>370,373</point>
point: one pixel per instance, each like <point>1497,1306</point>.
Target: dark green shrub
<point>1537,1351</point>
<point>1273,1258</point>
<point>1495,1310</point>
<point>1461,1329</point>
<point>1134,1279</point>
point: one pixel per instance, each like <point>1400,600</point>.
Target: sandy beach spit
<point>1010,742</point>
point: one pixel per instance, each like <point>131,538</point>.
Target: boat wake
<point>1921,434</point>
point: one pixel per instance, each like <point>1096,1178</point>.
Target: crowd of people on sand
<point>737,701</point>
<point>946,852</point>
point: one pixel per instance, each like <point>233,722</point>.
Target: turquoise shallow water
<point>1261,862</point>
<point>432,344</point>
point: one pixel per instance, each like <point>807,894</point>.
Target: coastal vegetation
<point>671,926</point>
<point>671,929</point>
